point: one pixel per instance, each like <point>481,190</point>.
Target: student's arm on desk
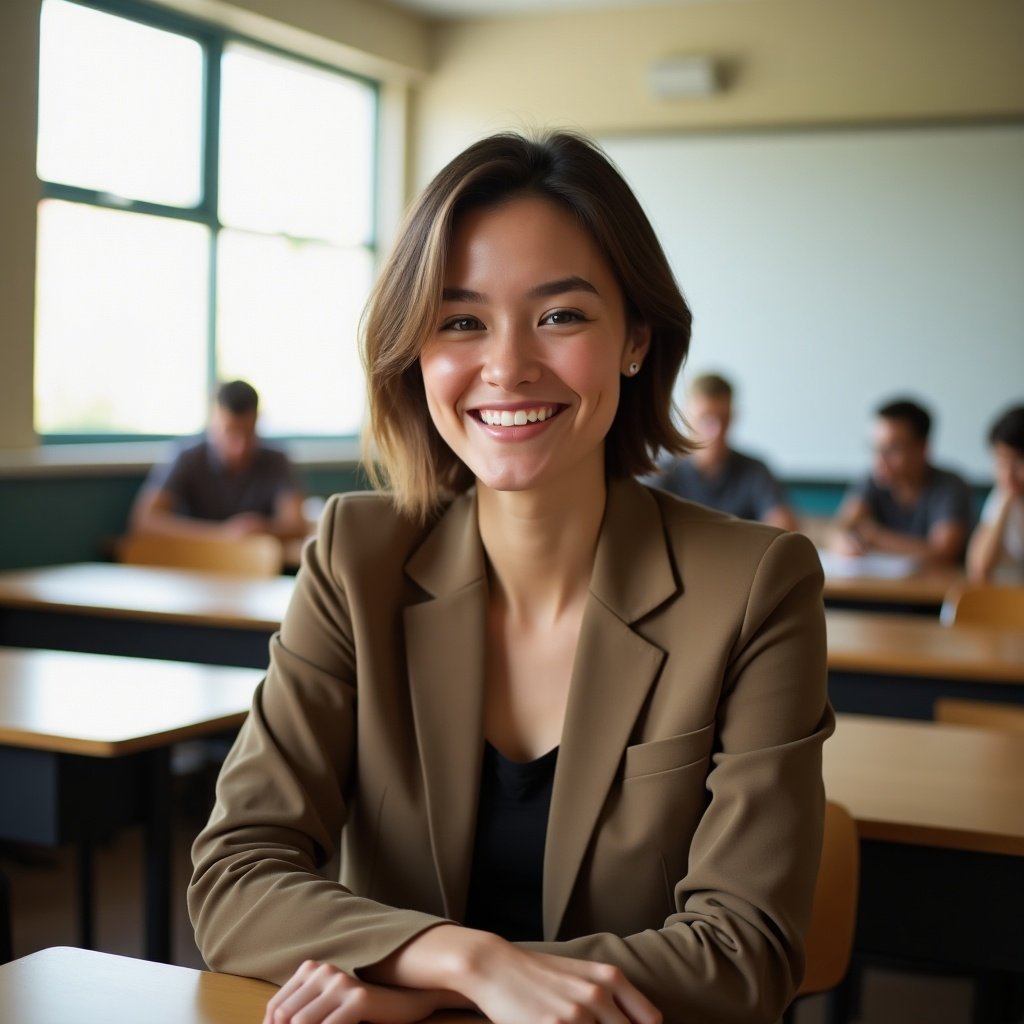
<point>986,545</point>
<point>845,536</point>
<point>154,513</point>
<point>943,546</point>
<point>856,533</point>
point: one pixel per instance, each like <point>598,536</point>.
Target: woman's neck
<point>540,544</point>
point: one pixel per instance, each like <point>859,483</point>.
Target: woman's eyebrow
<point>540,291</point>
<point>564,284</point>
<point>461,295</point>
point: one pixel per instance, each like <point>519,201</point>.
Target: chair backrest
<point>982,713</point>
<point>994,605</point>
<point>834,912</point>
<point>255,555</point>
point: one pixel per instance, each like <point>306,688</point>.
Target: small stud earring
<point>634,368</point>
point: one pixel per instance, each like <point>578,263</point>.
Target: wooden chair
<point>256,555</point>
<point>834,911</point>
<point>983,713</point>
<point>984,605</point>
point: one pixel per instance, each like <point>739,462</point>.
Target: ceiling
<point>494,8</point>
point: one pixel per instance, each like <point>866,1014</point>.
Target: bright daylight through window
<point>207,213</point>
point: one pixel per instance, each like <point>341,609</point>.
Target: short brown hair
<point>905,410</point>
<point>571,171</point>
<point>710,385</point>
<point>237,397</point>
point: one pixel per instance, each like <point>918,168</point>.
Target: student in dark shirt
<point>717,475</point>
<point>906,505</point>
<point>228,484</point>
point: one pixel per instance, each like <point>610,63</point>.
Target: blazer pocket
<point>667,754</point>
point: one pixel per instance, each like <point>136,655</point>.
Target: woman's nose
<point>511,358</point>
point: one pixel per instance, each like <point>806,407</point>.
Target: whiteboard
<point>830,270</point>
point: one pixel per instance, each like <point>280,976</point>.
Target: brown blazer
<point>686,816</point>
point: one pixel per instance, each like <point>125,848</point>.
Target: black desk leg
<point>158,855</point>
<point>84,861</point>
<point>998,998</point>
<point>6,942</point>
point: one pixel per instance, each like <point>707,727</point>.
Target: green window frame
<point>213,40</point>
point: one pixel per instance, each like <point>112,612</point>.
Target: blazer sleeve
<point>257,899</point>
<point>732,953</point>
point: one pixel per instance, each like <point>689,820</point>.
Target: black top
<point>508,856</point>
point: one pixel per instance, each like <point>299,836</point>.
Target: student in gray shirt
<point>907,505</point>
<point>715,474</point>
<point>227,484</point>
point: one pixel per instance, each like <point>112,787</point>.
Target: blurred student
<point>997,545</point>
<point>906,505</point>
<point>715,474</point>
<point>228,484</point>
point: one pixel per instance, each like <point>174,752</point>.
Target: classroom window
<point>207,213</point>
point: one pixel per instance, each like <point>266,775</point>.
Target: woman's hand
<point>517,986</point>
<point>511,985</point>
<point>321,994</point>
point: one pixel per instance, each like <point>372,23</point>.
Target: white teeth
<point>519,418</point>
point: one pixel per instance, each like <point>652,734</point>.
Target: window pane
<point>287,321</point>
<point>120,322</point>
<point>296,149</point>
<point>120,106</point>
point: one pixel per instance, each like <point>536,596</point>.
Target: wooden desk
<point>940,812</point>
<point>77,986</point>
<point>87,737</point>
<point>898,665</point>
<point>920,593</point>
<point>108,608</point>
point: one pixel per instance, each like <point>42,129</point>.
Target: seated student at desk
<point>997,545</point>
<point>715,474</point>
<point>229,484</point>
<point>906,505</point>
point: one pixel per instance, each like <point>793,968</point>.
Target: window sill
<point>133,457</point>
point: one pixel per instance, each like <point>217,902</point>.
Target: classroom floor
<point>43,897</point>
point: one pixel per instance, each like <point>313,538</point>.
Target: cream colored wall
<point>790,62</point>
<point>361,35</point>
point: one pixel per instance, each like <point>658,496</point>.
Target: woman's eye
<point>461,323</point>
<point>562,316</point>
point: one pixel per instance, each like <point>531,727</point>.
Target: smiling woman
<point>567,728</point>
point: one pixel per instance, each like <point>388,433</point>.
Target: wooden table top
<point>926,586</point>
<point>143,592</point>
<point>929,784</point>
<point>80,986</point>
<point>105,706</point>
<point>878,642</point>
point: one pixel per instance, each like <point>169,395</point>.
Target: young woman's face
<point>522,371</point>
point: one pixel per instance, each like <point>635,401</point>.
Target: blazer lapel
<point>445,640</point>
<point>614,670</point>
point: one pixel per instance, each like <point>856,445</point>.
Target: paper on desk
<point>875,563</point>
